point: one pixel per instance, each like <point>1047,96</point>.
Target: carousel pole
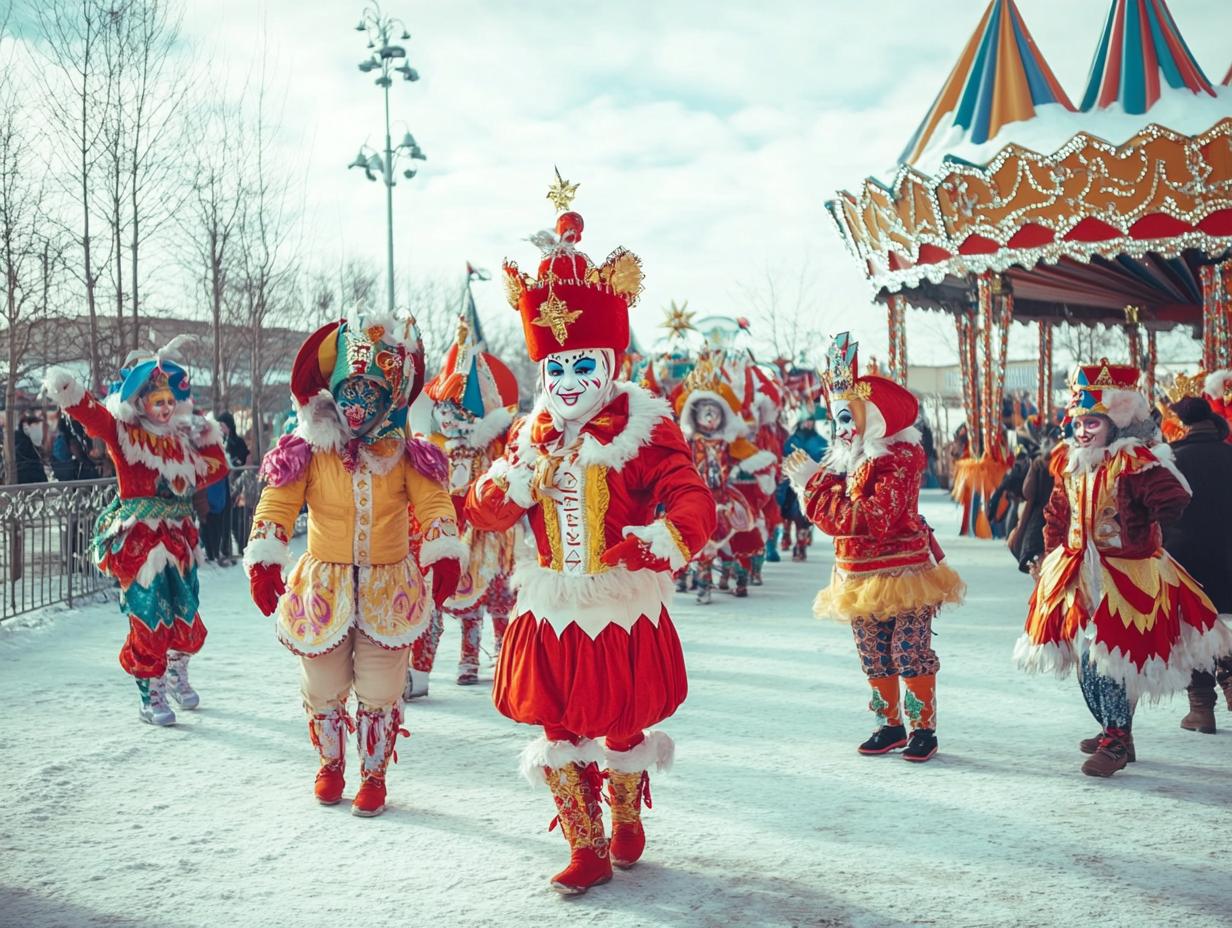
<point>1132,314</point>
<point>892,333</point>
<point>1043,373</point>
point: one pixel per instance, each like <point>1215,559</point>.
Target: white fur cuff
<point>542,753</point>
<point>266,551</point>
<point>657,750</point>
<point>62,387</point>
<point>663,540</point>
<point>442,547</point>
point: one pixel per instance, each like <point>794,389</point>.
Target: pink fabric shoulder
<point>286,462</point>
<point>428,459</point>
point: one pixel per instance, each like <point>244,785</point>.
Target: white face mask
<point>35,431</point>
<point>455,421</point>
<point>577,384</point>
<point>1092,431</point>
<point>845,429</point>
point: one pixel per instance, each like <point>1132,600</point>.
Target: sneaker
<point>922,746</point>
<point>177,685</point>
<point>885,739</point>
<point>154,709</point>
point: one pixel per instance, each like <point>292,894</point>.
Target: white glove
<point>62,387</point>
<point>799,468</point>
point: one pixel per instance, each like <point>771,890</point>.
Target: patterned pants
<point>1105,697</point>
<point>497,602</point>
<point>900,646</point>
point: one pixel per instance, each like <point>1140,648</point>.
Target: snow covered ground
<point>769,819</point>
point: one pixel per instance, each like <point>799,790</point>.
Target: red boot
<point>578,792</point>
<point>378,730</point>
<point>628,786</point>
<point>326,731</point>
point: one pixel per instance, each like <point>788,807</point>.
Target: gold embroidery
<point>598,498</point>
<point>555,314</point>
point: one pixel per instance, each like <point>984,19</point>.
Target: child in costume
<point>356,601</point>
<point>147,538</point>
<point>889,578</point>
<point>615,506</point>
<point>475,397</point>
<point>739,476</point>
<point>1109,599</point>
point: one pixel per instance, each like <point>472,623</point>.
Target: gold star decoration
<point>554,314</point>
<point>678,319</point>
<point>562,192</point>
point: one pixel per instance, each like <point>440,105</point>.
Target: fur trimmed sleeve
<point>63,388</point>
<point>428,459</point>
<point>688,505</point>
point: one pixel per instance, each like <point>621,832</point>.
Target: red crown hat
<point>1106,389</point>
<point>571,304</point>
<point>897,406</point>
<point>376,345</point>
<point>474,379</point>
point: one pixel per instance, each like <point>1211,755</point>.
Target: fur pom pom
<point>542,753</point>
<point>657,750</point>
<point>62,387</point>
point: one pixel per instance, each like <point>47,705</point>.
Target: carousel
<point>1011,203</point>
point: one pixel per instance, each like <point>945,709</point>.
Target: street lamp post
<point>387,58</point>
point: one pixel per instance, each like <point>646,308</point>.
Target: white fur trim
<point>444,546</point>
<point>734,425</point>
<point>158,559</point>
<point>491,427</point>
<point>542,753</point>
<point>1167,459</point>
<point>656,749</point>
<point>181,427</point>
<point>646,411</point>
<point>62,387</point>
<point>1086,460</point>
<point>318,423</point>
<point>266,551</point>
<point>661,542</point>
<point>843,459</point>
<point>517,478</point>
<point>1196,650</point>
<point>617,596</point>
<point>1215,385</point>
<point>206,431</point>
<point>756,462</point>
<point>1125,407</point>
<point>801,476</point>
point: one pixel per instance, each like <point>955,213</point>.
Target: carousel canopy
<point>1085,212</point>
<point>1000,78</point>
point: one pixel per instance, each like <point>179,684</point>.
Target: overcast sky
<point>706,135</point>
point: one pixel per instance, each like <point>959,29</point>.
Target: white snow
<point>769,818</point>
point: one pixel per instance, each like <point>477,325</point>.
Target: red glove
<point>265,583</point>
<point>445,575</point>
<point>634,554</point>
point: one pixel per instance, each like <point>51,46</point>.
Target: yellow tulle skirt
<point>880,595</point>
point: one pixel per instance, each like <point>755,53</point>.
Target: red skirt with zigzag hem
<point>618,683</point>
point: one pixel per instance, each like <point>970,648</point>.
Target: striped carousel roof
<point>1001,77</point>
<point>1141,50</point>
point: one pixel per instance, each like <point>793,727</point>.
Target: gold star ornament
<point>562,193</point>
<point>678,319</point>
<point>554,314</point>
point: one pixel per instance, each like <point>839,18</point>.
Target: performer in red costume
<point>475,396</point>
<point>889,578</point>
<point>615,505</point>
<point>147,538</point>
<point>1109,599</point>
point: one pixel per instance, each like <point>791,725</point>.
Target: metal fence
<point>45,553</point>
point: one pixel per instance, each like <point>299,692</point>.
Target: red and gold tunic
<point>885,563</point>
<point>592,649</point>
<point>1106,585</point>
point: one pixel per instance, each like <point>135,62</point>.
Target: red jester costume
<point>739,475</point>
<point>357,600</point>
<point>1110,600</point>
<point>604,476</point>
<point>889,578</point>
<point>475,397</point>
<point>147,538</point>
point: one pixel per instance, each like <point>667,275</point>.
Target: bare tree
<point>70,34</point>
<point>784,312</point>
<point>360,282</point>
<point>29,259</point>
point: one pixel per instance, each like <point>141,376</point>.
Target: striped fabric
<point>1000,78</point>
<point>1139,45</point>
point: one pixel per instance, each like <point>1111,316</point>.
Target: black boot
<point>885,739</point>
<point>923,745</point>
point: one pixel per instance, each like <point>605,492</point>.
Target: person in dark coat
<point>70,458</point>
<point>1199,538</point>
<point>234,513</point>
<point>1026,541</point>
<point>30,467</point>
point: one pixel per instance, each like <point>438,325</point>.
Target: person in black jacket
<point>30,467</point>
<point>70,458</point>
<point>1026,540</point>
<point>1199,539</point>
<point>233,517</point>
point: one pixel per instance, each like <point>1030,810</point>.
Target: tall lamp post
<point>387,58</point>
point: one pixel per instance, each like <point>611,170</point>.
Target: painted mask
<point>1092,431</point>
<point>455,421</point>
<point>708,417</point>
<point>158,405</point>
<point>845,426</point>
<point>363,403</point>
<point>577,384</point>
